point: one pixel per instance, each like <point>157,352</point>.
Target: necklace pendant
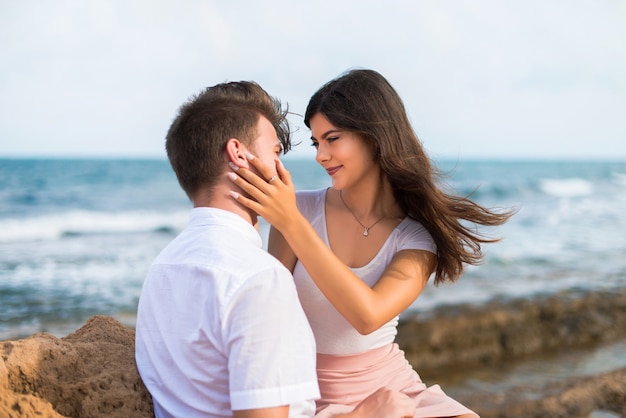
<point>366,232</point>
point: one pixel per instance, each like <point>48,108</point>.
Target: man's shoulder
<point>229,256</point>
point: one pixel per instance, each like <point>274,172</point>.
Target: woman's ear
<point>235,153</point>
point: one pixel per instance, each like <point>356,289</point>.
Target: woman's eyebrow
<point>325,134</point>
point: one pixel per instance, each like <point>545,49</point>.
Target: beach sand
<point>557,356</point>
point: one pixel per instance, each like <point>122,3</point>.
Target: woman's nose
<point>322,154</point>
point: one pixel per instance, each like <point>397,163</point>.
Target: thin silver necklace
<point>366,230</point>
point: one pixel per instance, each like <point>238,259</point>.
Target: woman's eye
<point>332,138</point>
<point>315,144</point>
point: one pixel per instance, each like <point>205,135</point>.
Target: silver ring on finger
<point>274,177</point>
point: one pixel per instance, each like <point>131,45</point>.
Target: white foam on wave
<point>53,227</point>
<point>620,178</point>
<point>571,187</point>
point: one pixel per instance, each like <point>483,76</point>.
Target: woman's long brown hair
<point>364,102</point>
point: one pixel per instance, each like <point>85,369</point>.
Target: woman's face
<point>344,155</point>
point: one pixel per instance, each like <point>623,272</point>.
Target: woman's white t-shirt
<point>333,333</point>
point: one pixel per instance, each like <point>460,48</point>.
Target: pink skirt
<point>346,380</point>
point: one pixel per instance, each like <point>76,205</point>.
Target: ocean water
<point>77,236</point>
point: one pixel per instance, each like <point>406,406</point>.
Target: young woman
<point>362,251</point>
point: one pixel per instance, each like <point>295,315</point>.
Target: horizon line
<point>148,157</point>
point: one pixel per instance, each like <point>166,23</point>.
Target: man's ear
<point>235,150</point>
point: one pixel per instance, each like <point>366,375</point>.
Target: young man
<point>220,331</point>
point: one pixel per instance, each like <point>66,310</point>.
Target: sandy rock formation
<point>90,373</point>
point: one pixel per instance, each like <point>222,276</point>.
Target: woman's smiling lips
<point>332,170</point>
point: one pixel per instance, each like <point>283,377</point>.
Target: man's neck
<point>221,199</point>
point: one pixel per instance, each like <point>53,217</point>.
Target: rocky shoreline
<point>92,373</point>
<point>452,343</point>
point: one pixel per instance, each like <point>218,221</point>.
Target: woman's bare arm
<point>367,309</point>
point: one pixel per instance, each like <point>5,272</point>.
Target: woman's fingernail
<point>233,194</point>
<point>231,175</point>
<point>248,155</point>
<point>233,166</point>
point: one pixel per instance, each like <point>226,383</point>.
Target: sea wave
<point>569,187</point>
<point>82,222</point>
<point>619,178</point>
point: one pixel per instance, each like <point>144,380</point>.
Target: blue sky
<point>480,79</point>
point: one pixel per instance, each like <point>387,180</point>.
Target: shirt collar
<point>214,216</point>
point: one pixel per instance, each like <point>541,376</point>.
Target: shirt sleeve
<point>415,237</point>
<point>271,350</point>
